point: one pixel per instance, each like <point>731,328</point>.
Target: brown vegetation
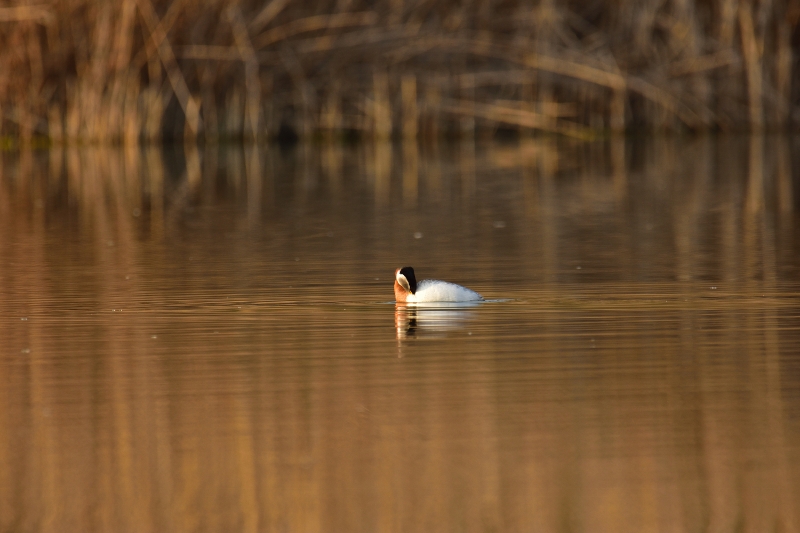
<point>144,70</point>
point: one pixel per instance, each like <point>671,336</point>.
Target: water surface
<point>204,340</point>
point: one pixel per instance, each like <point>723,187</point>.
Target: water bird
<point>407,290</point>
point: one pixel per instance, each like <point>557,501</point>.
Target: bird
<point>407,290</point>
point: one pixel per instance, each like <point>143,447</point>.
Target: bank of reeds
<point>146,70</point>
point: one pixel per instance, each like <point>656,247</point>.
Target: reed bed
<point>82,71</point>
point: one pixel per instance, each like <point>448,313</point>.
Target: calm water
<point>205,341</point>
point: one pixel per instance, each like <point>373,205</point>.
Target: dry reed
<point>146,70</point>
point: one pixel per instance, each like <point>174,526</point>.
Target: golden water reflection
<point>204,340</point>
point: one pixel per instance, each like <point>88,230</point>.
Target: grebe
<point>407,290</point>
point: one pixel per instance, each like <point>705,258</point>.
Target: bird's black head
<point>407,273</point>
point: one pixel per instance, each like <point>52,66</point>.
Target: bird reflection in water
<point>430,320</point>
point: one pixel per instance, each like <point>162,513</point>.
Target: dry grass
<point>143,70</point>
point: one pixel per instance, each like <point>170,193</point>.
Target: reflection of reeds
<point>144,69</point>
<point>284,421</point>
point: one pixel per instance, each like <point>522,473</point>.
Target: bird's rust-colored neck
<point>400,293</point>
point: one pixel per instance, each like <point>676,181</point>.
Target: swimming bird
<point>407,290</point>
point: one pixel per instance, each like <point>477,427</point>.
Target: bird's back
<point>434,290</point>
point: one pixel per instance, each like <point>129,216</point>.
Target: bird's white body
<point>407,290</point>
<point>433,290</point>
